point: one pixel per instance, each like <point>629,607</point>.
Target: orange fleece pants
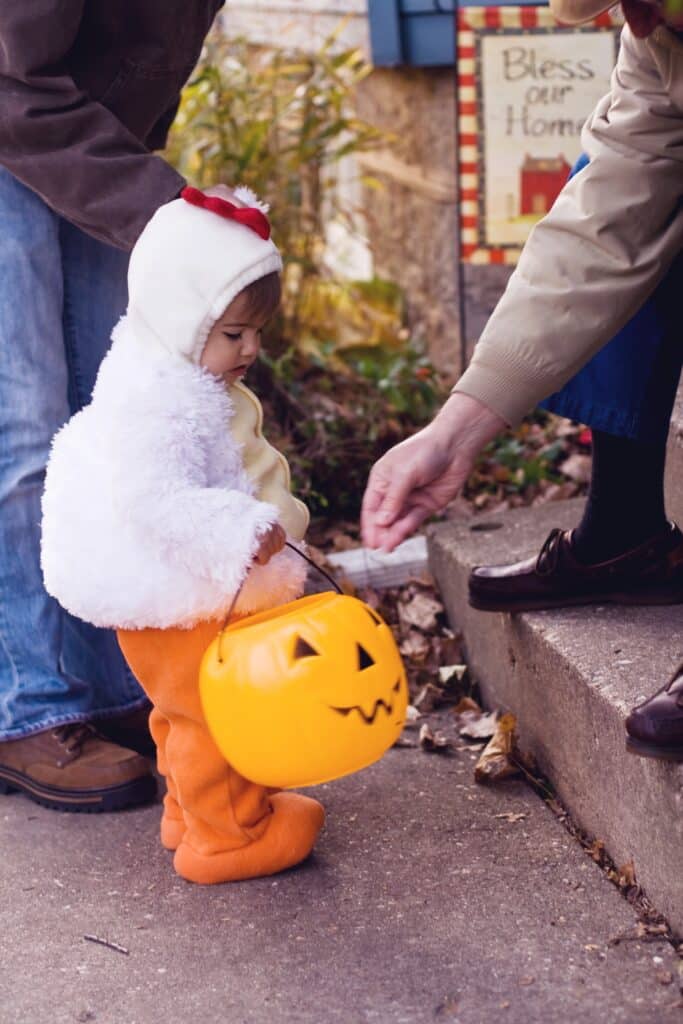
<point>222,827</point>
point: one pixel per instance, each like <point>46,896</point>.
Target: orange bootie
<point>172,821</point>
<point>234,829</point>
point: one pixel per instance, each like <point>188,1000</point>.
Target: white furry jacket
<point>149,519</point>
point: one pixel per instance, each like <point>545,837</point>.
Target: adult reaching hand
<point>419,476</point>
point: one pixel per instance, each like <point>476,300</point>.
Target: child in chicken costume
<point>163,498</point>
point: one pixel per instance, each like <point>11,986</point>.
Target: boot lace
<point>73,735</point>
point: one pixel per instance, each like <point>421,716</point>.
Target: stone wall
<point>300,23</point>
<point>412,220</point>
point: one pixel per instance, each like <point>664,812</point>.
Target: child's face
<point>233,343</point>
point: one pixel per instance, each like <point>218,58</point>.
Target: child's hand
<point>271,542</point>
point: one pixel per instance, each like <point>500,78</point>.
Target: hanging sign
<point>525,88</point>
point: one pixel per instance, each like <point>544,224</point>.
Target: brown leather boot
<point>72,768</point>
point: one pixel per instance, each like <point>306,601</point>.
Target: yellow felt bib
<point>266,467</point>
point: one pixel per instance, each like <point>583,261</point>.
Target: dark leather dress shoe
<point>655,727</point>
<point>649,574</point>
<point>72,768</point>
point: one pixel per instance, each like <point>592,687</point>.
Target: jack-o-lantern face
<point>304,693</point>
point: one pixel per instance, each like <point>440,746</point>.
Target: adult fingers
<point>391,536</point>
<point>375,490</point>
<point>397,489</point>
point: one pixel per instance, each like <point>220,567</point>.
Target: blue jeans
<point>629,387</point>
<point>61,292</point>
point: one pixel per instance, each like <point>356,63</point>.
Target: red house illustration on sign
<point>541,181</point>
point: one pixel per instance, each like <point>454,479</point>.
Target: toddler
<point>163,498</point>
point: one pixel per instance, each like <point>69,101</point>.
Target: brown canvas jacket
<point>608,240</point>
<point>88,88</point>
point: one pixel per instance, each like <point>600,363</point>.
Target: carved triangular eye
<point>364,659</point>
<point>303,649</point>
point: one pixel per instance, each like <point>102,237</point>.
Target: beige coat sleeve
<point>613,232</point>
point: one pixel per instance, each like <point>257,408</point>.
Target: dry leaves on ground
<point>643,931</point>
<point>434,742</point>
<point>545,459</point>
<point>499,759</point>
<point>438,678</point>
<point>577,467</point>
<point>432,653</point>
<point>472,722</point>
<point>421,611</point>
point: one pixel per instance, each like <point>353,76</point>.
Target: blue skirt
<point>629,387</point>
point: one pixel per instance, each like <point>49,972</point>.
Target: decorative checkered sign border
<point>471,23</point>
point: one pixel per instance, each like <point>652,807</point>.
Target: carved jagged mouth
<point>368,719</point>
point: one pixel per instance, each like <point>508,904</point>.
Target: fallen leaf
<point>477,726</point>
<point>527,980</point>
<point>626,876</point>
<point>433,742</point>
<point>495,762</point>
<point>403,742</point>
<point>449,649</point>
<point>452,673</point>
<point>420,611</point>
<point>654,929</point>
<point>342,541</point>
<point>591,948</point>
<point>414,645</point>
<point>429,698</point>
<point>643,932</point>
<point>664,977</point>
<point>412,717</point>
<point>556,807</point>
<point>372,597</point>
<point>511,815</point>
<point>466,704</point>
<point>557,492</point>
<point>577,467</point>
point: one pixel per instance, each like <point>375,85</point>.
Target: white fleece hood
<point>149,516</point>
<point>187,266</point>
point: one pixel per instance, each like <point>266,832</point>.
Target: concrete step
<point>673,480</point>
<point>571,677</point>
<point>365,568</point>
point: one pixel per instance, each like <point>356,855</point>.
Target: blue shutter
<point>418,32</point>
<point>385,33</point>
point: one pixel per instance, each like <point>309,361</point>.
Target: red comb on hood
<point>249,216</point>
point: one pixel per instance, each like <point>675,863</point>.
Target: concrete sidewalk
<point>428,899</point>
